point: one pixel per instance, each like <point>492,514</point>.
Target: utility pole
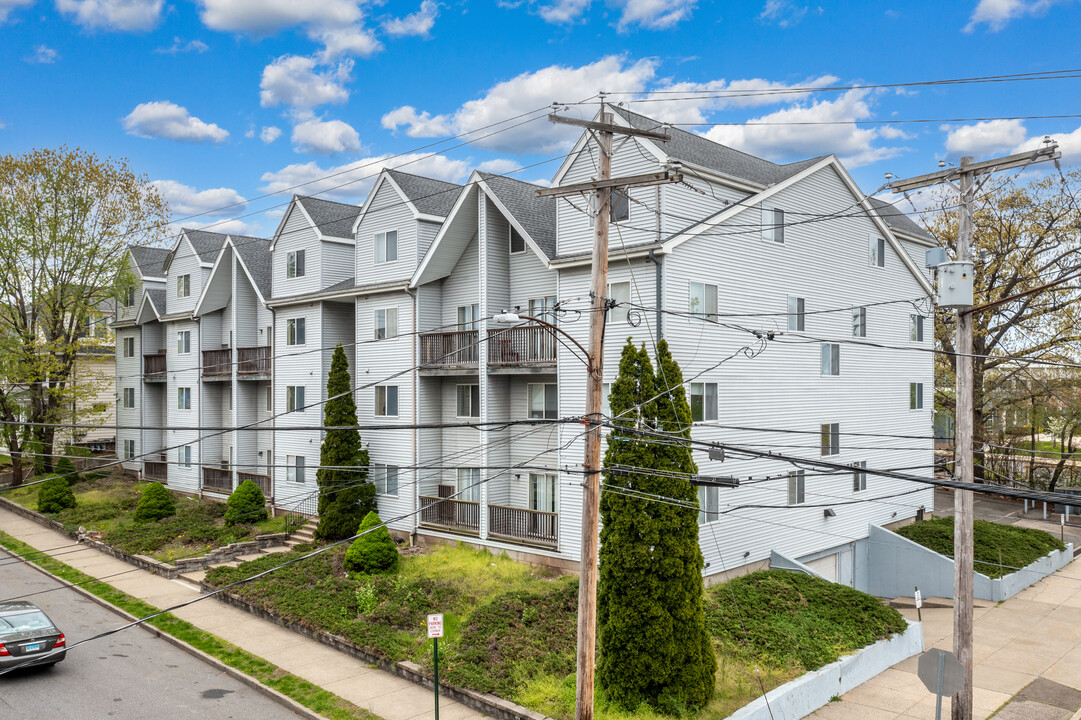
<point>964,470</point>
<point>603,129</point>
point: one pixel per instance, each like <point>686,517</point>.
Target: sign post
<point>919,604</point>
<point>435,631</point>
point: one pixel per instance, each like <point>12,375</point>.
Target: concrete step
<point>907,603</point>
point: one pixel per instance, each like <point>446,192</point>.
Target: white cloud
<point>163,119</point>
<point>330,137</point>
<point>524,93</point>
<point>352,40</point>
<point>564,11</point>
<point>650,14</point>
<point>186,200</point>
<point>499,166</point>
<point>1069,144</point>
<point>997,14</point>
<point>44,55</point>
<point>783,13</point>
<point>984,138</point>
<point>294,80</point>
<point>6,6</point>
<point>270,134</point>
<point>838,134</point>
<point>419,23</point>
<point>179,46</point>
<point>356,178</point>
<point>127,15</point>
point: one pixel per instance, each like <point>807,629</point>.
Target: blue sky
<point>223,101</point>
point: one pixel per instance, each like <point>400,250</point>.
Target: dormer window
<point>183,286</point>
<point>386,246</point>
<point>294,264</point>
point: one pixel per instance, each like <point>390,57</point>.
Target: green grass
<point>1046,448</point>
<point>999,549</point>
<point>300,690</point>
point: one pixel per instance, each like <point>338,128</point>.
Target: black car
<point>28,637</point>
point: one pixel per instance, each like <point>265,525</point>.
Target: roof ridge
<point>396,171</point>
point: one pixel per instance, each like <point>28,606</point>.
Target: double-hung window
<point>468,315</point>
<point>619,205</point>
<point>129,347</point>
<point>831,359</point>
<point>294,264</point>
<point>915,328</point>
<point>915,396</point>
<point>831,438</point>
<point>129,449</point>
<point>183,456</point>
<point>703,401</point>
<point>294,398</point>
<point>797,487</point>
<point>386,400</point>
<point>183,398</point>
<point>542,492</point>
<point>772,225</point>
<point>708,505</point>
<point>294,331</point>
<point>386,246</point>
<point>703,301</point>
<point>386,323</point>
<point>543,400</point>
<point>183,286</point>
<point>129,397</point>
<point>859,476</point>
<point>517,242</point>
<point>468,484</point>
<point>294,468</point>
<point>183,342</point>
<point>468,401</point>
<point>859,322</point>
<point>796,310</point>
<point>385,478</point>
<point>620,294</point>
<point>876,251</point>
<point>129,298</point>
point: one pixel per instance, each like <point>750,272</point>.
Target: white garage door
<point>825,566</point>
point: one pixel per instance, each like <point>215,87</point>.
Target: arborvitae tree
<point>65,468</point>
<point>246,504</point>
<point>345,496</point>
<point>373,552</point>
<point>155,503</point>
<point>55,495</point>
<point>653,646</point>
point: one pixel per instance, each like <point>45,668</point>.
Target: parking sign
<point>435,625</point>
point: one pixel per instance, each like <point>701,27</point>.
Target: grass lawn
<point>999,549</point>
<point>105,504</point>
<point>1047,448</point>
<point>511,628</point>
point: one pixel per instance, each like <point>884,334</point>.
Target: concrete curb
<point>251,682</point>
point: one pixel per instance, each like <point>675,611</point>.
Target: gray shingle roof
<point>255,253</point>
<point>429,196</point>
<point>536,214</point>
<point>897,220</point>
<point>332,218</point>
<point>696,149</point>
<point>150,260</point>
<point>207,244</point>
<point>157,296</point>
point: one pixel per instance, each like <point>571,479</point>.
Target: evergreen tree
<point>155,503</point>
<point>55,495</point>
<point>246,505</point>
<point>345,496</point>
<point>374,552</point>
<point>653,645</point>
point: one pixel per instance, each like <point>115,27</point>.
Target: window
<point>385,478</point>
<point>703,401</point>
<point>797,489</point>
<point>294,331</point>
<point>183,286</point>
<point>183,398</point>
<point>129,347</point>
<point>606,407</point>
<point>294,468</point>
<point>294,264</point>
<point>708,505</point>
<point>517,242</point>
<point>129,298</point>
<point>859,476</point>
<point>386,246</point>
<point>915,328</point>
<point>831,359</point>
<point>915,396</point>
<point>183,342</point>
<point>831,438</point>
<point>183,456</point>
<point>468,401</point>
<point>294,398</point>
<point>543,400</point>
<point>129,397</point>
<point>620,294</point>
<point>877,251</point>
<point>859,322</point>
<point>468,316</point>
<point>703,301</point>
<point>796,313</point>
<point>543,308</point>
<point>542,492</point>
<point>129,449</point>
<point>229,393</point>
<point>619,208</point>
<point>772,225</point>
<point>386,400</point>
<point>468,484</point>
<point>386,323</point>
<point>269,399</point>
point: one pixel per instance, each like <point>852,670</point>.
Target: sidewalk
<point>384,694</point>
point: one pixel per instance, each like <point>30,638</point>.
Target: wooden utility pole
<point>602,130</point>
<point>964,469</point>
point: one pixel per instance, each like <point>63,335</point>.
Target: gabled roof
<point>428,195</point>
<point>207,244</point>
<point>537,215</point>
<point>898,220</point>
<point>149,260</point>
<point>255,257</point>
<point>331,218</point>
<point>152,306</point>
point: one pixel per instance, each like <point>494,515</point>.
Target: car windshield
<point>24,622</point>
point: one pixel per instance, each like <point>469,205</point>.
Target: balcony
<point>449,350</point>
<point>154,367</point>
<point>462,516</point>
<point>253,363</point>
<point>263,482</point>
<point>156,471</point>
<point>217,479</point>
<point>217,364</point>
<point>522,347</point>
<point>530,527</point>
<point>530,348</point>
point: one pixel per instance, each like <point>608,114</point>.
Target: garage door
<point>825,566</point>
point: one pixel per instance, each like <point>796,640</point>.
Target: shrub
<point>373,552</point>
<point>55,496</point>
<point>66,469</point>
<point>246,504</point>
<point>155,503</point>
<point>999,549</point>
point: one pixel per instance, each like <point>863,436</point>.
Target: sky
<point>229,105</point>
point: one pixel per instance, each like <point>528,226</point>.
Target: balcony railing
<point>449,349</point>
<point>526,345</point>
<point>154,367</point>
<point>218,479</point>
<point>253,361</point>
<point>534,527</point>
<point>217,364</point>
<point>449,514</point>
<point>262,481</point>
<point>158,471</point>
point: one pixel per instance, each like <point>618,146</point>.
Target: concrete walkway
<point>384,694</point>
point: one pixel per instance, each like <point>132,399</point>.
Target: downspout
<point>416,460</point>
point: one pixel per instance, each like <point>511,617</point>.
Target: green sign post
<point>435,631</point>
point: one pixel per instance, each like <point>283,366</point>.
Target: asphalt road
<point>131,674</point>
